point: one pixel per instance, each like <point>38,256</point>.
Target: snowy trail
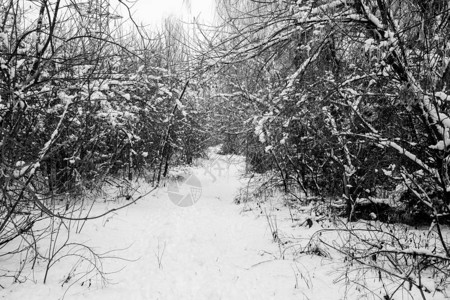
<point>210,251</point>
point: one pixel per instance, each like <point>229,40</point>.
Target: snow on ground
<point>209,250</point>
<point>213,249</point>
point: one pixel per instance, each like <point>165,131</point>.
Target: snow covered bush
<point>350,101</point>
<point>82,106</point>
<point>387,260</point>
<point>354,93</point>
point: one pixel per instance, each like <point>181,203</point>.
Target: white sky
<point>153,12</point>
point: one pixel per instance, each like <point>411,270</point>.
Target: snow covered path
<point>206,251</point>
<point>209,250</point>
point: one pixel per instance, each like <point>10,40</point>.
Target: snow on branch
<point>357,78</point>
<point>385,143</point>
<point>330,6</point>
<point>409,155</point>
<point>31,168</point>
<point>55,133</point>
<point>442,96</point>
<point>414,251</point>
<point>374,200</point>
<point>439,120</point>
<point>372,18</point>
<point>291,79</point>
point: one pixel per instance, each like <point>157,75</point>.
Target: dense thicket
<point>84,103</point>
<point>346,98</point>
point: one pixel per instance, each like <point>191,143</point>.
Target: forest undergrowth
<point>377,259</point>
